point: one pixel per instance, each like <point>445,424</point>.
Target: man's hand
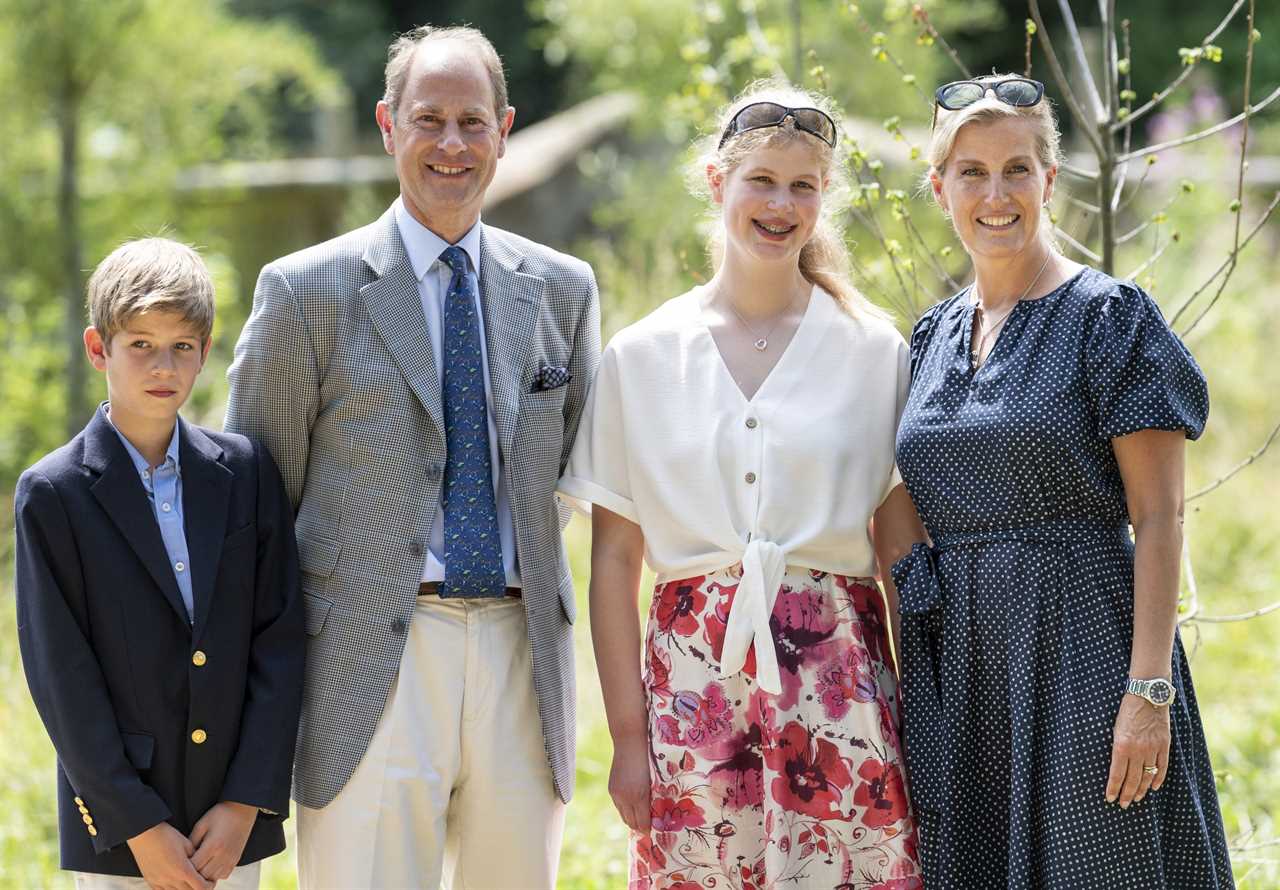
<point>219,838</point>
<point>164,858</point>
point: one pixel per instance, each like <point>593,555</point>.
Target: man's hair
<point>401,53</point>
<point>150,275</point>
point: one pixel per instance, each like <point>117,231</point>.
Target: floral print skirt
<point>752,790</point>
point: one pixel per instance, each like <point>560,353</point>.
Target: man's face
<point>446,137</point>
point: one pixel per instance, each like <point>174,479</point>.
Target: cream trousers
<point>455,788</point>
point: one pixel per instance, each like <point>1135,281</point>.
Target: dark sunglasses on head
<point>1020,92</point>
<point>1017,91</point>
<point>759,115</point>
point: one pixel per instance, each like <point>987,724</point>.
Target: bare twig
<point>1083,205</point>
<point>921,15</point>
<point>1228,263</point>
<point>1148,222</point>
<point>1203,134</point>
<point>1087,126</point>
<point>1238,203</point>
<point>1151,260</point>
<point>1076,245</point>
<point>1186,72</point>
<point>1079,172</point>
<point>1082,61</point>
<point>1222,480</point>
<point>1243,616</point>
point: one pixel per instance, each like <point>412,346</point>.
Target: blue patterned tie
<point>472,546</point>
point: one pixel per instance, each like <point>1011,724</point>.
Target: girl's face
<point>994,186</point>
<point>771,201</point>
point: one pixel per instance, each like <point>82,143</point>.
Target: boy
<point>159,614</point>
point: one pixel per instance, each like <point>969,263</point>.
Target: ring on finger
<point>1151,770</point>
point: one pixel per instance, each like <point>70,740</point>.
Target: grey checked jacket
<point>334,373</point>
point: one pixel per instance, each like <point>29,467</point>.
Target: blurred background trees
<point>245,127</point>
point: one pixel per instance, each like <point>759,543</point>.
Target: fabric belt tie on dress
<point>764,565</point>
<point>922,602</point>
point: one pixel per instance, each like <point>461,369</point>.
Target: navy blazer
<point>155,718</point>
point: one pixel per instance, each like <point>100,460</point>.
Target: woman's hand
<point>1140,739</point>
<point>630,784</point>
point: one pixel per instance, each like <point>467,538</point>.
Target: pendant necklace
<point>761,343</point>
<point>984,331</point>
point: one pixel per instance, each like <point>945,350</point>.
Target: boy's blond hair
<point>150,275</point>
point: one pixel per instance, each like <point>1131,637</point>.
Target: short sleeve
<point>1139,375</point>
<point>598,469</point>
<point>921,333</point>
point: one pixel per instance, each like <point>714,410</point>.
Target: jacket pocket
<point>139,747</point>
<point>317,610</point>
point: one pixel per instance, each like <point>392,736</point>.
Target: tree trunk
<point>72,251</point>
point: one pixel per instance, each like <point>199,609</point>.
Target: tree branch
<point>1243,616</point>
<point>1227,263</point>
<point>1222,480</point>
<point>1186,72</point>
<point>1077,246</point>
<point>1150,261</point>
<point>1087,126</point>
<point>1082,60</point>
<point>1196,137</point>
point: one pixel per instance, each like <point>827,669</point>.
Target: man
<point>419,382</point>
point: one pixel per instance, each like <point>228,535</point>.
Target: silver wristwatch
<point>1159,692</point>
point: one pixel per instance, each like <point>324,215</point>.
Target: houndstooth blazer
<point>334,372</point>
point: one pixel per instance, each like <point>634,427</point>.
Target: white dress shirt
<point>791,476</point>
<point>424,248</point>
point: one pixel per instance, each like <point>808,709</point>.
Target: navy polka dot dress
<point>1017,622</point>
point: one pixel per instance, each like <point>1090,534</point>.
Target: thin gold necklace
<point>984,332</point>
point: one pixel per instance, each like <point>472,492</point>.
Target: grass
<point>1236,667</point>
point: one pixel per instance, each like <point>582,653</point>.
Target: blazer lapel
<point>511,301</point>
<point>395,308</point>
<point>206,492</point>
<point>123,498</point>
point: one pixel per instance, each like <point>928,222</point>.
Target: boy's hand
<point>164,858</point>
<point>219,838</point>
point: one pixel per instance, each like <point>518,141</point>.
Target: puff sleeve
<point>599,469</point>
<point>1139,375</point>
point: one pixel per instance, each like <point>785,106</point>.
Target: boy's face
<point>151,365</point>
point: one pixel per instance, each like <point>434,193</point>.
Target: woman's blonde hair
<point>824,259</point>
<point>989,109</point>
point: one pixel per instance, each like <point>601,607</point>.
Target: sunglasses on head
<point>759,115</point>
<point>1020,92</point>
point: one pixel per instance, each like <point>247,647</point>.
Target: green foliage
<point>155,87</point>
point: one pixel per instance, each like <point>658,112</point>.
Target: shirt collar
<point>424,246</point>
<point>141,463</point>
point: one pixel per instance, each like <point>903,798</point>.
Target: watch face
<point>1160,692</point>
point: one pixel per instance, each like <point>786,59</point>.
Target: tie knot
<point>454,257</point>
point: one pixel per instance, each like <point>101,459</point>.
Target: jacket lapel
<point>123,498</point>
<point>511,301</point>
<point>395,308</point>
<point>206,492</point>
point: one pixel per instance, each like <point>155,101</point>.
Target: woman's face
<point>994,186</point>
<point>771,201</point>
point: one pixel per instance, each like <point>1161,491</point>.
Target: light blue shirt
<point>164,489</point>
<point>424,248</point>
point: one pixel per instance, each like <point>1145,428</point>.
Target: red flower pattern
<point>743,771</point>
<point>882,793</point>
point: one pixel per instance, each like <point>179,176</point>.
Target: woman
<point>740,438</point>
<point>1050,724</point>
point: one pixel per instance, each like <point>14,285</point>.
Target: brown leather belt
<point>432,588</point>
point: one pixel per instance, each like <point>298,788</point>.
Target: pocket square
<point>550,377</point>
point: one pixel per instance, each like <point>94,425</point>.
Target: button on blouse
<point>790,476</point>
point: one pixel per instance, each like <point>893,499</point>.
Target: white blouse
<point>788,477</point>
